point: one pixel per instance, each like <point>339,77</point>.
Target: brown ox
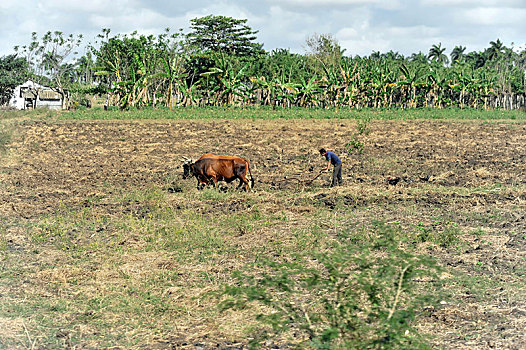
<point>209,169</point>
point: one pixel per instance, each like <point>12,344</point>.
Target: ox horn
<point>186,160</point>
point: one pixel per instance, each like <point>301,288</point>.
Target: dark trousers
<point>337,175</point>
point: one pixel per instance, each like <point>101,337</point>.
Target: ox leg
<point>247,185</point>
<point>241,173</point>
<point>243,181</point>
<point>212,181</point>
<point>202,182</point>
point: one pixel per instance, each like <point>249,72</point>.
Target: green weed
<point>349,297</point>
<point>442,234</point>
<point>356,143</point>
<point>213,194</point>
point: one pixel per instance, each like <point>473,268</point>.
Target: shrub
<point>356,296</point>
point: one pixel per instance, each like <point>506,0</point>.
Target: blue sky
<point>360,26</point>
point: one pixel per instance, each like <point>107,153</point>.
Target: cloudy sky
<point>360,26</point>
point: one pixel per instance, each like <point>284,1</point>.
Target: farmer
<point>336,162</point>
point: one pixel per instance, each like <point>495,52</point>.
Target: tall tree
<point>457,55</point>
<point>223,34</point>
<point>495,50</point>
<point>48,58</point>
<point>13,72</point>
<point>436,53</point>
<point>476,59</point>
<point>85,69</point>
<point>324,49</point>
<point>419,58</point>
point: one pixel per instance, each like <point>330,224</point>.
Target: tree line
<point>220,63</point>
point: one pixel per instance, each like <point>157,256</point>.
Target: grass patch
<point>443,234</point>
<point>294,113</point>
<point>103,281</point>
<point>6,135</point>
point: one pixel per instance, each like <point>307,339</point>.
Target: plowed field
<point>80,204</point>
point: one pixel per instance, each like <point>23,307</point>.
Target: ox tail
<point>251,177</point>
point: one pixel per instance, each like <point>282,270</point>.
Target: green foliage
<point>211,68</point>
<point>356,143</point>
<point>223,34</point>
<point>290,113</point>
<point>133,66</point>
<point>357,295</point>
<point>13,72</point>
<point>219,63</point>
<point>325,51</point>
<point>282,65</point>
<point>457,55</point>
<point>363,126</point>
<point>442,234</point>
<point>436,54</point>
<point>47,58</point>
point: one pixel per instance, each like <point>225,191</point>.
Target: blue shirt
<point>333,158</point>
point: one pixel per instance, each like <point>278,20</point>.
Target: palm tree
<point>457,55</point>
<point>393,56</point>
<point>476,59</point>
<point>420,58</point>
<point>436,53</point>
<point>495,49</point>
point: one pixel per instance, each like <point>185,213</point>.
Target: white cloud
<point>223,8</point>
<point>76,6</point>
<point>493,16</point>
<point>519,48</point>
<point>360,26</point>
<point>347,33</point>
<point>330,2</point>
<point>401,39</point>
<point>365,47</point>
<point>387,4</point>
<point>288,28</point>
<point>11,4</point>
<point>471,3</point>
<point>144,18</point>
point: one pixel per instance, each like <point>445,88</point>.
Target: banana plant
<point>188,92</point>
<point>331,88</point>
<point>485,87</point>
<point>172,73</point>
<point>408,83</point>
<point>437,81</point>
<point>308,90</point>
<point>226,82</point>
<point>264,89</point>
<point>349,77</point>
<point>463,79</point>
<point>285,91</point>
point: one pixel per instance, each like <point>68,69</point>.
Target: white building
<point>32,95</point>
